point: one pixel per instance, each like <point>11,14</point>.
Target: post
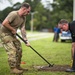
<point>73,9</point>
<point>32,22</point>
<point>32,16</point>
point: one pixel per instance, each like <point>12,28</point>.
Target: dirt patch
<point>54,68</point>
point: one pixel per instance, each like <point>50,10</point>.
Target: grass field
<point>55,52</point>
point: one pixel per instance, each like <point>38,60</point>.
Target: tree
<point>47,17</point>
<point>60,9</point>
<point>41,19</point>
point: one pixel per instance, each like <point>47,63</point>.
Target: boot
<point>20,68</point>
<point>16,71</point>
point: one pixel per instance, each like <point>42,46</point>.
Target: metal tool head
<point>51,65</point>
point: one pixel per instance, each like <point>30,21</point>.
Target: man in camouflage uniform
<point>14,20</point>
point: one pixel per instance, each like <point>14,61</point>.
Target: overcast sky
<point>5,3</point>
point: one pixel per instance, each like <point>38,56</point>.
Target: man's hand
<point>27,44</point>
<point>14,31</point>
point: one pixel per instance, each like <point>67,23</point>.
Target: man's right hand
<point>14,31</point>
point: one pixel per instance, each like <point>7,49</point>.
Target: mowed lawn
<point>55,52</point>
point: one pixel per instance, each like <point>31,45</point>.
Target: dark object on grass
<point>50,65</point>
<point>55,68</point>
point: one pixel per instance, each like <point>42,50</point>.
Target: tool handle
<point>21,38</point>
<point>50,65</point>
<point>41,56</point>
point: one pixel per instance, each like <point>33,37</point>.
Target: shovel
<point>50,65</point>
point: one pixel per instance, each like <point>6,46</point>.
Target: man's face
<point>64,27</point>
<point>26,11</point>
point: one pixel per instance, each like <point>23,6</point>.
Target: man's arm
<point>6,24</point>
<point>23,32</point>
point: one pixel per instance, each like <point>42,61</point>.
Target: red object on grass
<point>23,62</point>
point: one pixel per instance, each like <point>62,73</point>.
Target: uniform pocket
<point>6,39</point>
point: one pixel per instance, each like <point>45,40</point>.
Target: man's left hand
<point>28,44</point>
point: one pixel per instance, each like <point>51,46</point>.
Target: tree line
<point>44,17</point>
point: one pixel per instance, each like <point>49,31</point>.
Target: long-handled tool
<point>50,65</point>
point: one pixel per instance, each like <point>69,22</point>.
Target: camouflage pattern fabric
<point>13,49</point>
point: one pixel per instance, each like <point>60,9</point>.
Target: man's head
<point>25,9</point>
<point>63,24</point>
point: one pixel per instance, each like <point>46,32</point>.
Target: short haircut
<point>27,5</point>
<point>62,21</point>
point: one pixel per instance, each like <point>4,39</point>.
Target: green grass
<point>55,52</point>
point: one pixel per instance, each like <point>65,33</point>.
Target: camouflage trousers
<point>13,49</point>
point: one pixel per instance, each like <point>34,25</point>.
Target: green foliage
<point>5,12</point>
<point>33,4</point>
<point>47,17</point>
<point>63,9</point>
<point>17,5</point>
